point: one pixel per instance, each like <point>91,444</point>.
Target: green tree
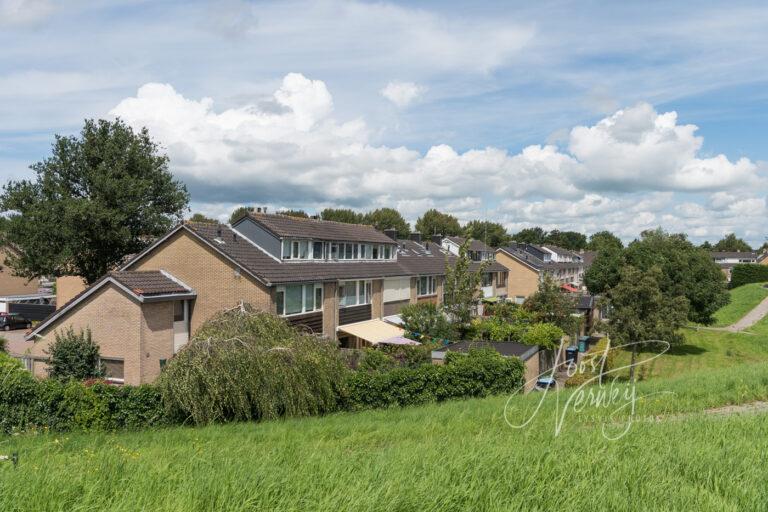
<point>535,235</point>
<point>239,212</point>
<point>550,304</point>
<point>74,356</point>
<point>687,270</point>
<point>571,240</point>
<point>603,240</point>
<point>605,271</point>
<point>492,233</point>
<point>707,246</point>
<point>199,217</point>
<point>461,287</point>
<point>642,314</point>
<point>387,218</point>
<point>294,213</point>
<point>730,243</point>
<point>100,196</point>
<point>341,215</point>
<point>434,222</point>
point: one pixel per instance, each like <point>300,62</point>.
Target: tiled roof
<point>148,282</point>
<point>537,263</point>
<point>287,226</point>
<point>474,245</point>
<point>412,259</point>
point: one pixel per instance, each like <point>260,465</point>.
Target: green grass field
<point>743,299</point>
<point>453,456</point>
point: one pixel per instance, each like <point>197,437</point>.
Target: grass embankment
<point>705,349</point>
<point>452,456</point>
<point>743,300</point>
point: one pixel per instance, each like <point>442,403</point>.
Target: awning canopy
<point>569,288</point>
<point>372,331</point>
<point>399,340</point>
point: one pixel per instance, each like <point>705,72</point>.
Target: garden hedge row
<point>27,403</point>
<point>745,273</point>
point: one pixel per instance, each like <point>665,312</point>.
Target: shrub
<point>74,356</point>
<point>18,393</point>
<point>510,312</point>
<point>411,356</point>
<point>3,345</point>
<point>496,328</point>
<point>376,361</point>
<point>427,320</point>
<point>476,374</point>
<point>545,335</point>
<point>242,365</point>
<point>745,273</point>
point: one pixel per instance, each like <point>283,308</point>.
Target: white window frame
<point>431,287</point>
<point>304,310</point>
<point>367,286</point>
<point>291,250</point>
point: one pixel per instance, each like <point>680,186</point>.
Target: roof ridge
<point>309,219</point>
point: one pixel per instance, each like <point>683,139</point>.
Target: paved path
<point>755,315</point>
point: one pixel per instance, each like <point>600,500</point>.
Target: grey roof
<point>505,348</point>
<point>585,302</point>
<point>474,245</point>
<point>538,263</point>
<point>744,255</point>
<point>298,227</point>
<point>149,282</point>
<point>588,257</point>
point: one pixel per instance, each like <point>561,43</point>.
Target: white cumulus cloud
<point>402,94</point>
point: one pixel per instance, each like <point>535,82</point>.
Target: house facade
<point>320,276</point>
<point>528,263</point>
<point>726,260</point>
<point>11,285</point>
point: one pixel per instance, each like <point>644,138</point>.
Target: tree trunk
<point>632,363</point>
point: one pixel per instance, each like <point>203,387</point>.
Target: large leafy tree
<point>434,222</point>
<point>642,314</point>
<point>551,305</point>
<point>341,215</point>
<point>199,217</point>
<point>492,233</point>
<point>687,271</point>
<point>604,240</point>
<point>387,218</point>
<point>730,243</point>
<point>571,240</point>
<point>535,235</point>
<point>100,196</point>
<point>461,287</point>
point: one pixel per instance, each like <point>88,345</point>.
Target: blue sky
<point>586,116</point>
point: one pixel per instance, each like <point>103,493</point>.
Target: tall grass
<point>451,456</point>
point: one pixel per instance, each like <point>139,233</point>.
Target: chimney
<point>391,233</point>
<point>218,231</point>
<point>258,209</point>
<point>264,209</point>
<point>416,237</point>
<point>437,239</point>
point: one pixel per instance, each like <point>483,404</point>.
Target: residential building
<point>726,260</point>
<point>478,251</point>
<point>11,284</point>
<point>322,276</point>
<point>528,263</point>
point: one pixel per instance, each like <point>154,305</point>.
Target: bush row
<point>27,403</point>
<point>745,273</point>
<point>476,374</point>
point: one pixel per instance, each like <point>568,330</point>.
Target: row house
<point>528,263</point>
<point>332,279</point>
<point>726,260</point>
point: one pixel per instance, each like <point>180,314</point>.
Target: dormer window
<point>333,251</point>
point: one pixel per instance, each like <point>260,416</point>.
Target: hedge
<point>477,374</point>
<point>745,273</point>
<point>27,403</point>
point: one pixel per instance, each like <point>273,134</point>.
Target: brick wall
<point>330,309</point>
<point>522,280</point>
<point>67,287</point>
<point>156,337</point>
<point>14,285</point>
<point>115,321</point>
<point>215,279</point>
<point>377,299</point>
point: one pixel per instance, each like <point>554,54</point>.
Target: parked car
<point>14,321</point>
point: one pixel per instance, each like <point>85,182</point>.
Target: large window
<point>295,299</point>
<point>427,285</point>
<point>316,250</point>
<point>487,279</point>
<point>113,369</point>
<point>354,293</point>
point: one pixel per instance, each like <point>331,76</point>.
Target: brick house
<point>11,284</point>
<point>323,276</point>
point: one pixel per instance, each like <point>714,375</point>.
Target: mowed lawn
<point>743,299</point>
<point>455,456</point>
